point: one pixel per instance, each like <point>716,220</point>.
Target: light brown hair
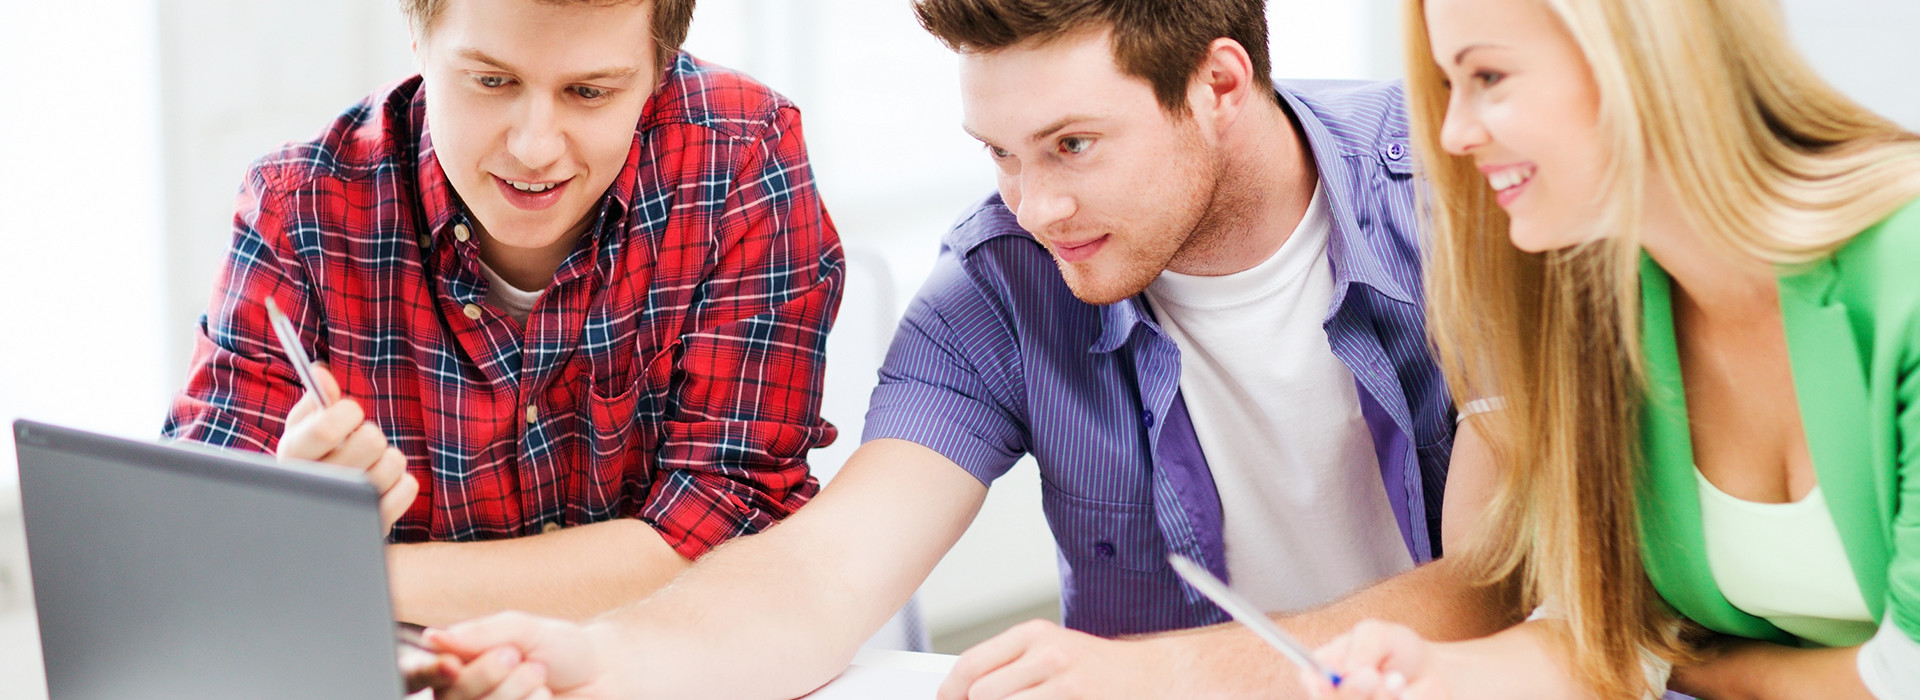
<point>670,21</point>
<point>1163,42</point>
<point>1766,160</point>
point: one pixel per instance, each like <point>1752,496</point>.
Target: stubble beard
<point>1193,220</point>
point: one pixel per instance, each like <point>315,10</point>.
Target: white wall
<point>126,126</point>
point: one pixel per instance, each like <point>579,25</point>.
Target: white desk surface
<point>874,675</point>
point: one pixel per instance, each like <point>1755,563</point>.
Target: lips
<point>1076,252</point>
<point>530,195</point>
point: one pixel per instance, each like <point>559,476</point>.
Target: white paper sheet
<point>888,675</point>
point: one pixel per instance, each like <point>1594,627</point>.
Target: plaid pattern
<point>671,372</point>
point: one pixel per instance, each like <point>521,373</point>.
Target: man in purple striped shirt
<point>1196,301</point>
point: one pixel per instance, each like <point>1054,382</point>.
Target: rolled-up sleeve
<point>951,378</point>
<point>748,380</point>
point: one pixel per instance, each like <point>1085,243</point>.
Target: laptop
<point>181,571</point>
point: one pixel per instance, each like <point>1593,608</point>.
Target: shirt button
<point>1394,151</point>
<point>472,311</point>
<point>426,241</point>
<point>551,526</point>
<point>1146,418</point>
<point>1105,550</point>
<point>533,414</point>
<point>461,233</point>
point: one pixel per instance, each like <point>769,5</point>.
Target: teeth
<point>533,187</point>
<point>1507,179</point>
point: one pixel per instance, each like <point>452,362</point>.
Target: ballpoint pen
<point>290,343</point>
<point>1241,610</point>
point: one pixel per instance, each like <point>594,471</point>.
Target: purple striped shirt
<point>996,358</point>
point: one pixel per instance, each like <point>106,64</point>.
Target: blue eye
<point>1075,145</point>
<point>998,152</point>
<point>491,81</point>
<point>588,92</point>
<point>1489,78</point>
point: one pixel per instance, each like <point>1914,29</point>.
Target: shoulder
<point>1364,118</point>
<point>374,136</point>
<point>701,94</point>
<point>1878,264</point>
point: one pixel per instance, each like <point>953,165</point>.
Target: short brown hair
<point>1160,41</point>
<point>670,21</point>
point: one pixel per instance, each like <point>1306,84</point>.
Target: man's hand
<point>1039,659</point>
<point>516,655</point>
<point>341,434</point>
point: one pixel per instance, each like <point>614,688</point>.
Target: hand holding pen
<point>323,427</point>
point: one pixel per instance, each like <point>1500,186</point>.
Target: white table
<point>874,675</point>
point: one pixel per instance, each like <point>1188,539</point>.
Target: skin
<point>1523,94</point>
<point>532,92</point>
<point>1085,155</point>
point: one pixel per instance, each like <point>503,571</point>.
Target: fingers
<point>362,449</point>
<point>394,503</point>
<point>1023,677</point>
<point>496,674</point>
<point>321,431</point>
<point>1375,660</point>
<point>473,638</point>
<point>985,657</point>
<point>528,680</point>
<point>387,469</point>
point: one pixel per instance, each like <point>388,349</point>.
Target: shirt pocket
<point>1098,535</point>
<point>621,445</point>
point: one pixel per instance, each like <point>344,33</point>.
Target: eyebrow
<point>1462,55</point>
<point>612,72</point>
<point>1043,133</point>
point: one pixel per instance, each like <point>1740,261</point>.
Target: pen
<point>290,343</point>
<point>1250,616</point>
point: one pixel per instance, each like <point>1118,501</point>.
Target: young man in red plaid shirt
<point>572,288</point>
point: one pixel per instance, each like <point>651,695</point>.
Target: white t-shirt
<point>515,302</point>
<point>1306,515</point>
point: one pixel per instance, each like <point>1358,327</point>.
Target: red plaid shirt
<point>671,372</point>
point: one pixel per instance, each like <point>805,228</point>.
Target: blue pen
<point>1250,616</point>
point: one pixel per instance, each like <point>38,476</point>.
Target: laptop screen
<point>172,571</point>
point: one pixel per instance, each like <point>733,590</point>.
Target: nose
<point>1037,203</point>
<point>1461,131</point>
<point>536,139</point>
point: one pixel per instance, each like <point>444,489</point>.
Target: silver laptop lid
<point>163,571</point>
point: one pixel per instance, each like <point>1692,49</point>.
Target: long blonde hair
<point>1765,160</point>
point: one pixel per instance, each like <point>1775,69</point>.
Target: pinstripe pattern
<point>996,358</point>
<point>673,366</point>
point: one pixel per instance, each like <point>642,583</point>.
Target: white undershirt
<point>513,301</point>
<point>1306,516</point>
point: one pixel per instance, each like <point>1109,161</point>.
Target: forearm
<point>1751,670</point>
<point>800,598</point>
<point>1438,600</point>
<point>574,573</point>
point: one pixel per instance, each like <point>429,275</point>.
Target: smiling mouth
<point>1504,180</point>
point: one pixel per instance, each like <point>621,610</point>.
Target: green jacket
<point>1853,332</point>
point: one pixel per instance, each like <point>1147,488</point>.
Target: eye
<point>490,81</point>
<point>588,92</point>
<point>1488,78</point>
<point>1075,145</point>
<point>997,152</point>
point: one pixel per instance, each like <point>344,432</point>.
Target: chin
<point>1101,290</point>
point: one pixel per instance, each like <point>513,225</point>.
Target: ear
<point>1223,86</point>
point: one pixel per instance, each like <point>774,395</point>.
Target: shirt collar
<point>1117,321</point>
<point>1384,148</point>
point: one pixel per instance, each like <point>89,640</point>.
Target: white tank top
<point>1784,563</point>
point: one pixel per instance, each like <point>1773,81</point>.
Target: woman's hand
<point>1379,661</point>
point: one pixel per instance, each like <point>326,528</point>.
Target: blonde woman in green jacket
<point>1685,272</point>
